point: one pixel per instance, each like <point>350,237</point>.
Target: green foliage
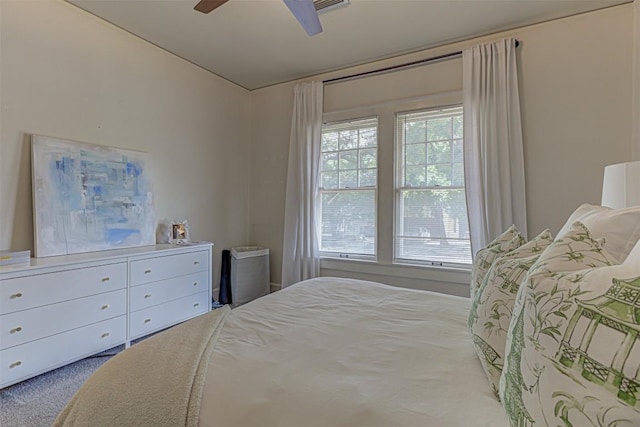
<point>348,139</point>
<point>439,129</point>
<point>549,309</point>
<point>499,309</point>
<point>567,405</point>
<point>434,158</point>
<point>415,131</point>
<point>330,141</point>
<point>368,137</point>
<point>514,384</point>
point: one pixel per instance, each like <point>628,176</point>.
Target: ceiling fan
<point>304,11</point>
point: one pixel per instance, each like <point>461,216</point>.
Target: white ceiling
<point>257,43</point>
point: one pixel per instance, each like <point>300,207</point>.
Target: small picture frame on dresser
<point>172,231</point>
<point>179,232</point>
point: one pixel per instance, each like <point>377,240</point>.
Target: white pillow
<point>574,353</point>
<point>634,256</point>
<point>507,241</point>
<point>492,304</point>
<point>619,227</point>
<point>572,356</point>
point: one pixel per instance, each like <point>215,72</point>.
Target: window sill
<point>446,280</point>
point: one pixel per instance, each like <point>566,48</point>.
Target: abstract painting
<point>89,197</point>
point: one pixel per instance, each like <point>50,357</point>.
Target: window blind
<point>348,187</point>
<point>431,214</point>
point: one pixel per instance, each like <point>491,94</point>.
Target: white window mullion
<point>386,186</point>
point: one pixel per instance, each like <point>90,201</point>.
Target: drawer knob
<point>195,305</point>
<point>196,262</point>
<point>147,271</point>
<point>147,320</point>
<point>14,296</point>
<point>15,364</point>
<point>106,279</point>
<point>104,307</point>
<point>147,296</point>
<point>14,330</point>
<point>195,283</point>
<point>106,334</point>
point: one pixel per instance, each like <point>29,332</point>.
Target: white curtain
<point>494,161</point>
<point>300,259</point>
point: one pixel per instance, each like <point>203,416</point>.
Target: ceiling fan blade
<point>306,14</point>
<point>206,6</point>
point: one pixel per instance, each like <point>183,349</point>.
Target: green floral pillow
<point>502,244</point>
<point>492,304</point>
<point>534,246</point>
<point>573,352</point>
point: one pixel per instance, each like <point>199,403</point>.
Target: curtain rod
<point>399,66</point>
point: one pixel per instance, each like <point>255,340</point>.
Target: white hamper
<point>249,273</point>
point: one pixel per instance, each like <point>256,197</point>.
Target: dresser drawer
<point>166,267</point>
<point>37,290</point>
<point>145,321</point>
<point>28,325</point>
<point>24,361</point>
<point>162,291</point>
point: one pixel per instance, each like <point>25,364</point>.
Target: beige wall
<point>636,82</point>
<point>67,74</point>
<point>575,88</point>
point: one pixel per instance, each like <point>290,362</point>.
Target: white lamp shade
<point>621,186</point>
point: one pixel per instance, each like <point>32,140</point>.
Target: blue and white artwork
<point>89,198</point>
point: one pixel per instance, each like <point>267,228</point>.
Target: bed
<point>323,352</point>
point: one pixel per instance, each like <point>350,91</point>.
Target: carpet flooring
<point>36,402</point>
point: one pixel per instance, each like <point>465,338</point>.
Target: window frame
<point>384,265</point>
<point>374,189</point>
<point>400,185</point>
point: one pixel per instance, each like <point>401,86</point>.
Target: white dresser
<point>57,310</point>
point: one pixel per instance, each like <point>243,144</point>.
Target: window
<point>431,213</point>
<point>348,187</point>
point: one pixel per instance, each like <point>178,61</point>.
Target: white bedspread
<point>339,352</point>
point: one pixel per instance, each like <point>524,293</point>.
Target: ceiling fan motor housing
<point>323,6</point>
